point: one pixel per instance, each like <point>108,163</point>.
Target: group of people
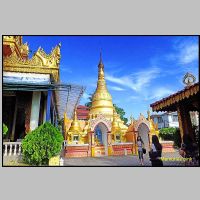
<point>155,152</point>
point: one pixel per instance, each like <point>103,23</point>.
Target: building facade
<point>28,100</point>
<point>166,120</point>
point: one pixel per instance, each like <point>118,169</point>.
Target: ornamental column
<point>92,144</point>
<point>35,110</point>
<point>110,151</point>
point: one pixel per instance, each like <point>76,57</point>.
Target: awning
<point>187,97</point>
<point>67,95</point>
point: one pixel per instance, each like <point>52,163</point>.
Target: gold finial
<point>149,116</point>
<point>114,113</point>
<point>75,115</point>
<point>65,116</point>
<point>131,118</point>
<point>115,123</point>
<point>101,99</point>
<point>101,65</point>
<point>100,62</point>
<point>75,123</point>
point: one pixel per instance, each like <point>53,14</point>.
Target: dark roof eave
<point>155,106</point>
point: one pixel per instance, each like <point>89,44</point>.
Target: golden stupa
<point>102,100</point>
<point>115,137</point>
<point>102,115</point>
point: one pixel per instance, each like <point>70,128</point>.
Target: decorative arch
<point>142,120</point>
<point>102,125</point>
<point>100,119</point>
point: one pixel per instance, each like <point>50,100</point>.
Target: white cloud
<point>159,93</point>
<point>189,54</point>
<point>186,51</point>
<point>135,98</point>
<point>136,81</point>
<point>115,88</point>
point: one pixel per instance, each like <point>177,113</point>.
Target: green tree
<point>5,129</point>
<point>119,110</point>
<point>172,134</point>
<point>121,113</point>
<point>89,103</point>
<point>42,144</point>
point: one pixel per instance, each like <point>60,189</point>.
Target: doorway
<point>8,107</point>
<point>143,132</point>
<point>101,139</point>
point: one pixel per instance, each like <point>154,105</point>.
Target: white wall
<point>35,110</point>
<point>167,120</point>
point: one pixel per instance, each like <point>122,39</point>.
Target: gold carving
<point>39,63</point>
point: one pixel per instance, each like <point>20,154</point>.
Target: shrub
<point>42,144</point>
<point>5,129</point>
<point>172,134</point>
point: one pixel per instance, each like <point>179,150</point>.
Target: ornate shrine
<point>104,133</point>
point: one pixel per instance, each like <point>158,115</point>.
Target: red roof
<point>82,112</point>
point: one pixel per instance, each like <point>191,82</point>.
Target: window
<point>75,138</point>
<point>118,138</point>
<point>160,119</point>
<point>175,118</point>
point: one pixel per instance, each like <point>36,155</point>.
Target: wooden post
<point>14,121</point>
<point>185,123</point>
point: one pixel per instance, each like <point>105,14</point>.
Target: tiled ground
<point>103,161</point>
<point>121,161</point>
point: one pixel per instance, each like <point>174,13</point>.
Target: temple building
<point>183,102</point>
<point>32,92</point>
<point>99,131</point>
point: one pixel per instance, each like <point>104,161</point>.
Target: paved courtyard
<point>121,161</point>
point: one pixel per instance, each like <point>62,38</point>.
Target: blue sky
<point>139,69</point>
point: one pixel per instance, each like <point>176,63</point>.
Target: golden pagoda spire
<point>131,118</point>
<point>115,123</point>
<point>101,76</point>
<point>75,126</point>
<point>65,118</point>
<point>102,100</point>
<point>75,115</point>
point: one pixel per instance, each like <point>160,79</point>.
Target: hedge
<point>42,144</point>
<point>172,134</point>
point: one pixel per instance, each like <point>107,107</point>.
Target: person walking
<point>155,153</point>
<point>140,145</point>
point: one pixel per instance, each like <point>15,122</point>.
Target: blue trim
<point>48,115</point>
